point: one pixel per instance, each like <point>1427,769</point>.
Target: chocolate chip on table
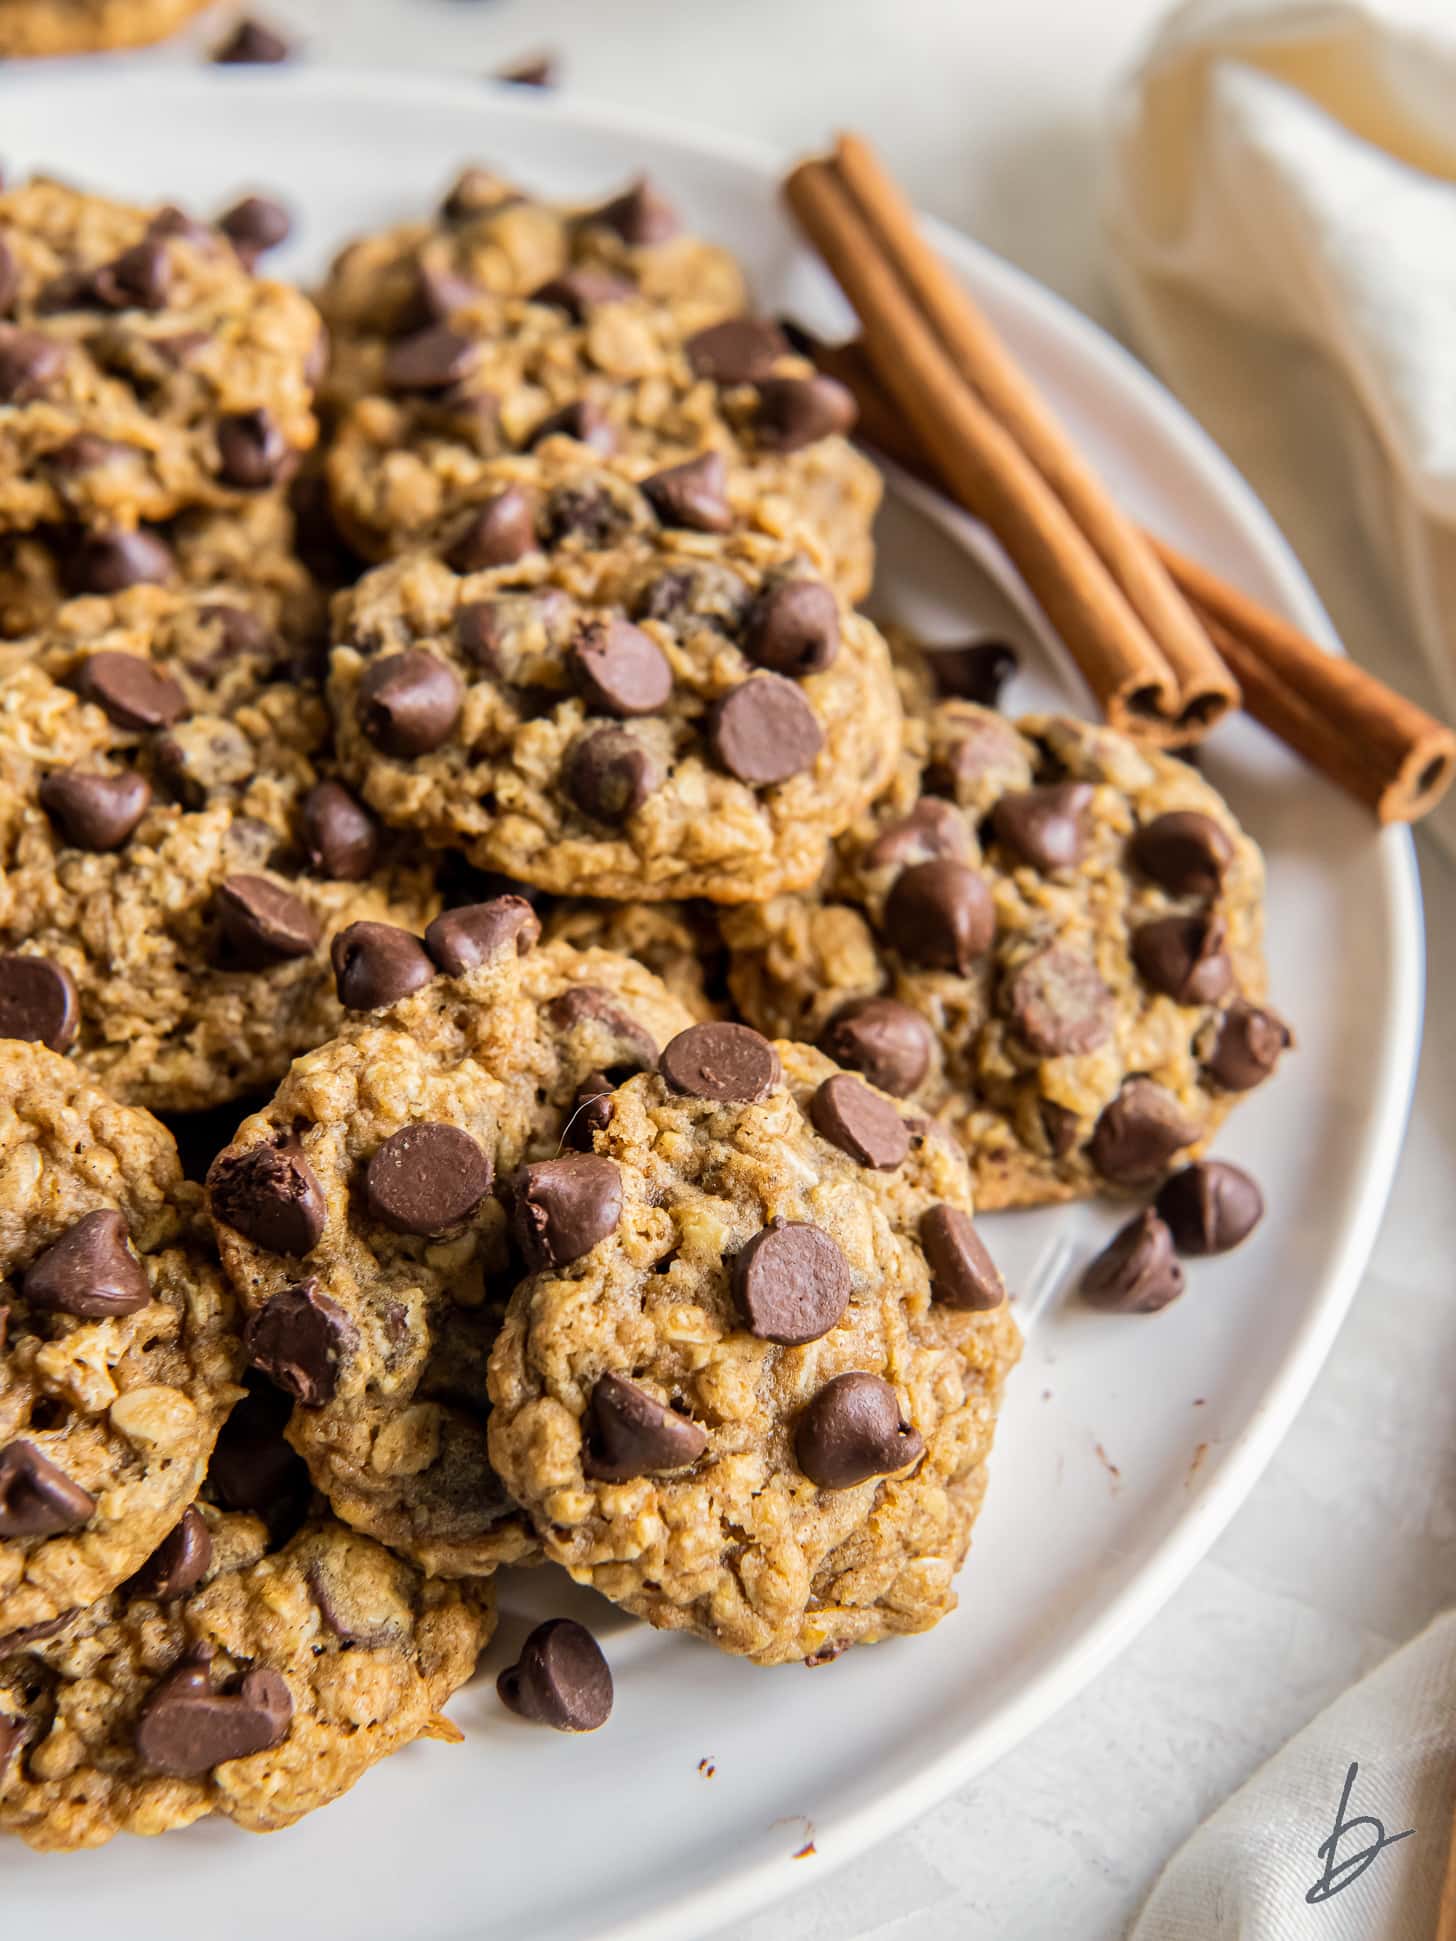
<point>1058,1004</point>
<point>882,1038</point>
<point>729,1063</point>
<point>339,837</point>
<point>262,925</point>
<point>1137,1272</point>
<point>796,411</point>
<point>940,914</point>
<point>499,533</point>
<point>962,1274</point>
<point>253,44</point>
<point>561,1208</point>
<point>853,1430</point>
<point>377,964</point>
<point>622,670</point>
<point>90,1271</point>
<point>1183,852</point>
<point>131,691</point>
<point>628,1433</point>
<point>849,1115</point>
<point>536,71</point>
<point>298,1338</point>
<point>428,360</point>
<point>764,731</point>
<point>1249,1044</point>
<point>95,812</point>
<point>29,364</point>
<point>977,672</point>
<point>38,1001</point>
<point>560,1679</point>
<point>251,450</point>
<point>410,703</point>
<point>1137,1135</point>
<point>609,774</point>
<point>109,562</point>
<point>933,829</point>
<point>255,224</point>
<point>253,1468</point>
<point>692,496</point>
<point>1044,827</point>
<point>461,939</point>
<point>793,628</point>
<point>791,1283</point>
<point>740,350</point>
<point>426,1179</point>
<point>579,291</point>
<point>640,216</point>
<point>185,1728</point>
<point>36,1498</point>
<point>270,1194</point>
<point>1185,957</point>
<point>178,1564</point>
<point>584,420</point>
<point>1210,1207</point>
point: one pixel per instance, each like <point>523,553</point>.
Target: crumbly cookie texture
<point>678,942</point>
<point>621,709</point>
<point>35,29</point>
<point>264,1691</point>
<point>384,1294</point>
<point>118,1351</point>
<point>1018,939</point>
<point>172,843</point>
<point>143,368</point>
<point>651,1413</point>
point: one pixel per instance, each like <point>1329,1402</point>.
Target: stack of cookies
<point>593,978</point>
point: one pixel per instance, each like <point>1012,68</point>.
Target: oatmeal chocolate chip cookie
<point>143,369</point>
<point>118,1350</point>
<point>750,1388</point>
<point>173,853</point>
<point>593,704</point>
<point>678,942</point>
<point>361,1220</point>
<point>231,1681</point>
<point>1047,937</point>
<point>35,29</point>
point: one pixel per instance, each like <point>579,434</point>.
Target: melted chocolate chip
<point>1184,852</point>
<point>185,1728</point>
<point>109,562</point>
<point>630,1433</point>
<point>726,1062</point>
<point>932,831</point>
<point>262,925</point>
<point>95,812</point>
<point>298,1338</point>
<point>1210,1207</point>
<point>270,1194</point>
<point>178,1564</point>
<point>131,691</point>
<point>1058,1004</point>
<point>38,1001</point>
<point>427,1179</point>
<point>410,703</point>
<point>506,926</point>
<point>580,291</point>
<point>849,1115</point>
<point>1184,957</point>
<point>887,1041</point>
<point>584,420</point>
<point>560,1679</point>
<point>853,1430</point>
<point>793,628</point>
<point>962,1274</point>
<point>30,364</point>
<point>1136,1273</point>
<point>429,360</point>
<point>587,1004</point>
<point>36,1498</point>
<point>1045,827</point>
<point>791,1282</point>
<point>89,1271</point>
<point>377,964</point>
<point>940,914</point>
<point>251,450</point>
<point>562,1207</point>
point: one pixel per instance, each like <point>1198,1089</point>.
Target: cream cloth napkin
<point>1280,205</point>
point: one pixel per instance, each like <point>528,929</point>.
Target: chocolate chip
<point>410,703</point>
<point>796,411</point>
<point>461,939</point>
<point>1060,1126</point>
<point>726,1062</point>
<point>1184,852</point>
<point>1248,1046</point>
<point>254,225</point>
<point>95,812</point>
<point>853,1430</point>
<point>13,1735</point>
<point>36,1498</point>
<point>9,277</point>
<point>932,830</point>
<point>1137,1272</point>
<point>133,693</point>
<point>251,450</point>
<point>251,44</point>
<point>83,453</point>
<point>887,1041</point>
<point>479,634</point>
<point>793,628</point>
<point>437,294</point>
<point>262,925</point>
<point>1058,1005</point>
<point>560,1679</point>
<point>622,670</point>
<point>377,964</point>
<point>1139,1132</point>
<point>109,562</point>
<point>859,1122</point>
<point>609,774</point>
<point>138,279</point>
<point>185,1728</point>
<point>1184,957</point>
<point>33,1634</point>
<point>630,1433</point>
<point>178,1564</point>
<point>764,731</point>
<point>740,350</point>
<point>270,1194</point>
<point>975,673</point>
<point>692,496</point>
<point>1210,1207</point>
<point>588,1004</point>
<point>297,1339</point>
<point>172,221</point>
<point>502,531</point>
<point>90,1271</point>
<point>591,1111</point>
<point>253,1468</point>
<point>427,1179</point>
<point>584,420</point>
<point>962,1274</point>
<point>1044,827</point>
<point>29,364</point>
<point>536,71</point>
<point>562,1207</point>
<point>338,834</point>
<point>640,216</point>
<point>428,360</point>
<point>579,291</point>
<point>940,914</point>
<point>38,1001</point>
<point>791,1283</point>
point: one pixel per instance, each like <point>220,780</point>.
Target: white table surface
<point>990,114</point>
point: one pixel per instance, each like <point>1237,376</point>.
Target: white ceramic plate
<point>1127,1443</point>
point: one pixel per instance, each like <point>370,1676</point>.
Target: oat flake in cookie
<point>751,1392</point>
<point>363,1221</point>
<point>118,1348</point>
<point>259,1690</point>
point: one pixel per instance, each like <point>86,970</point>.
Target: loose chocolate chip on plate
<point>976,673</point>
<point>536,71</point>
<point>1210,1207</point>
<point>560,1679</point>
<point>338,833</point>
<point>740,350</point>
<point>298,1338</point>
<point>185,1728</point>
<point>692,496</point>
<point>178,1564</point>
<point>640,216</point>
<point>962,1274</point>
<point>562,1207</point>
<point>262,925</point>
<point>887,1041</point>
<point>500,532</point>
<point>849,1115</point>
<point>791,1282</point>
<point>1185,957</point>
<point>1249,1044</point>
<point>764,731</point>
<point>622,670</point>
<point>609,774</point>
<point>726,1062</point>
<point>1137,1135</point>
<point>109,562</point>
<point>579,291</point>
<point>410,702</point>
<point>91,1271</point>
<point>38,1001</point>
<point>95,812</point>
<point>796,411</point>
<point>251,44</point>
<point>793,628</point>
<point>630,1433</point>
<point>251,450</point>
<point>585,421</point>
<point>426,1179</point>
<point>36,1498</point>
<point>1136,1273</point>
<point>853,1430</point>
<point>1044,827</point>
<point>1184,852</point>
<point>429,360</point>
<point>940,914</point>
<point>29,364</point>
<point>377,964</point>
<point>270,1194</point>
<point>255,224</point>
<point>1058,1004</point>
<point>131,691</point>
<point>932,830</point>
<point>461,939</point>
